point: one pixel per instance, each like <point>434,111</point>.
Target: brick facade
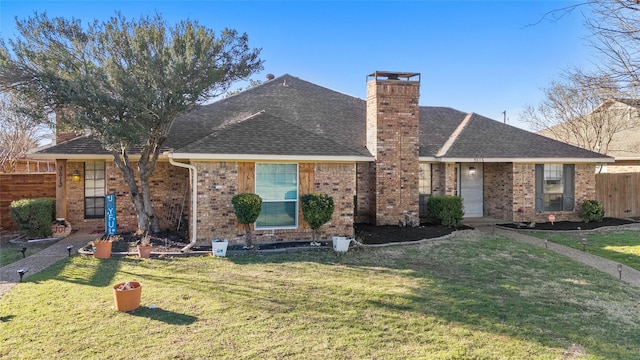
<point>218,183</point>
<point>624,166</point>
<point>500,197</point>
<point>366,193</point>
<point>444,179</point>
<point>170,197</point>
<point>393,137</point>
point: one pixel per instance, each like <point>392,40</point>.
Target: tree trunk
<point>147,219</point>
<point>152,220</point>
<point>248,235</point>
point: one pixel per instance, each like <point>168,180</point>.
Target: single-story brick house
<point>380,159</point>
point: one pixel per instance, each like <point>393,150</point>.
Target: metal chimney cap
<point>393,75</point>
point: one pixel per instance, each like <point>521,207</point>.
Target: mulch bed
<point>371,234</point>
<point>569,225</point>
<point>364,233</point>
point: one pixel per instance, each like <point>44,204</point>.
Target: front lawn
<point>622,246</point>
<point>472,296</point>
<point>10,252</point>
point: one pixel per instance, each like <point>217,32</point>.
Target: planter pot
<point>127,297</point>
<point>219,247</point>
<point>144,251</point>
<point>341,243</point>
<point>101,249</point>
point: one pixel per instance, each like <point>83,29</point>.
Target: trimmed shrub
<point>34,216</point>
<point>445,210</point>
<point>317,209</point>
<point>247,207</point>
<point>591,211</point>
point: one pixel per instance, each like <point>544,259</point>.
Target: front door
<point>471,189</point>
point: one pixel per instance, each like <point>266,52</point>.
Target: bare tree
<point>600,110</point>
<point>584,110</point>
<point>18,134</point>
<point>616,29</point>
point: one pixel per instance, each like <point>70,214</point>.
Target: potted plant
<point>102,247</point>
<point>145,246</point>
<point>317,209</point>
<point>127,295</point>
<point>247,208</point>
<point>219,247</point>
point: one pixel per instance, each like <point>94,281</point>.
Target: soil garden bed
<point>367,234</point>
<point>568,225</point>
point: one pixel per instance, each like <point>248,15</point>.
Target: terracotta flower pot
<point>127,297</point>
<point>144,251</point>
<point>101,249</point>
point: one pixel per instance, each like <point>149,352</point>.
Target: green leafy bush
<point>445,210</point>
<point>247,207</point>
<point>317,209</point>
<point>591,211</point>
<point>34,216</point>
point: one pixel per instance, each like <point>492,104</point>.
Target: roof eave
<point>52,156</point>
<point>564,160</point>
<point>270,157</point>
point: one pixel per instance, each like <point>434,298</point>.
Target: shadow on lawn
<point>82,272</point>
<point>165,316</point>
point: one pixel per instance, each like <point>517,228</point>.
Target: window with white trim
<point>277,185</point>
<point>94,189</point>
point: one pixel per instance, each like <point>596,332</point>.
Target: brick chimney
<point>393,138</point>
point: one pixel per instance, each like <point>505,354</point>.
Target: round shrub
<point>591,210</point>
<point>34,216</point>
<point>317,209</point>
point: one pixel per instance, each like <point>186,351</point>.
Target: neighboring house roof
<point>288,117</point>
<point>625,144</point>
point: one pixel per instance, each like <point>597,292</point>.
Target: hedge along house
<point>380,158</point>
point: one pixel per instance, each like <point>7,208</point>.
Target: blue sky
<point>474,56</point>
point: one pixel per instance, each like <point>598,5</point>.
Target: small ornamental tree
<point>317,210</point>
<point>247,207</point>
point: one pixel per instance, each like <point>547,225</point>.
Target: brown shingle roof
<point>290,116</point>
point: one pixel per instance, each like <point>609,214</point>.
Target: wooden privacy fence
<point>23,186</point>
<point>619,194</point>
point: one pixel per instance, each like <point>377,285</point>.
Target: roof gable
<point>487,138</point>
<point>265,134</point>
<point>316,109</point>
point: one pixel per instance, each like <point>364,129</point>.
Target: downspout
<point>193,174</point>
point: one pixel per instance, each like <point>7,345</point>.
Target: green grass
<point>474,297</point>
<point>622,246</point>
<point>10,253</point>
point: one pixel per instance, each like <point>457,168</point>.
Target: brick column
<point>393,137</point>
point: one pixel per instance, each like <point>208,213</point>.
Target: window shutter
<point>539,187</point>
<point>568,197</point>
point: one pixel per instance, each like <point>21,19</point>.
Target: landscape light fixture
<point>546,243</point>
<point>472,171</point>
<point>21,272</point>
<point>620,271</point>
<point>69,248</point>
<point>76,175</point>
<point>23,251</point>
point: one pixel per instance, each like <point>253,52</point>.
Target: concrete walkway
<point>629,275</point>
<point>41,260</point>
